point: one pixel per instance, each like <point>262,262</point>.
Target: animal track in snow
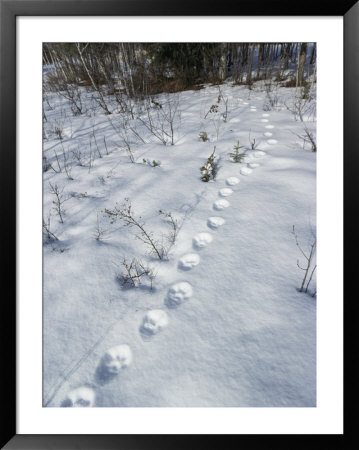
<point>253,165</point>
<point>259,153</point>
<point>245,103</point>
<point>225,192</point>
<point>153,322</point>
<point>264,120</point>
<point>187,262</point>
<point>272,141</point>
<point>215,222</point>
<point>269,127</point>
<point>202,239</point>
<point>82,397</point>
<point>178,293</point>
<point>117,358</point>
<point>268,134</point>
<point>265,115</point>
<point>231,181</point>
<point>246,171</point>
<point>221,204</point>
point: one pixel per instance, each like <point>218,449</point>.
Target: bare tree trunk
<point>250,64</point>
<point>102,101</point>
<point>301,62</point>
<point>260,56</point>
<point>312,56</point>
<point>287,56</point>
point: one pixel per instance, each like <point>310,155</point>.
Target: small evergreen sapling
<point>236,156</point>
<point>209,170</point>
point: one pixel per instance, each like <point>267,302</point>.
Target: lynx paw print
<point>113,361</point>
<point>82,397</point>
<point>187,262</point>
<point>178,293</point>
<point>153,322</point>
<point>201,240</point>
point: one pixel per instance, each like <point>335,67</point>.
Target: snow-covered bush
<point>209,169</point>
<point>152,163</point>
<point>203,136</point>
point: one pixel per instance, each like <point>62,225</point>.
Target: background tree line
<point>144,69</point>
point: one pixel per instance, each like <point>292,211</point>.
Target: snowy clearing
<point>215,317</point>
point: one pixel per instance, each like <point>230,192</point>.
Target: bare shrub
<point>212,110</point>
<point>305,284</point>
<point>59,201</point>
<point>271,95</point>
<point>66,164</point>
<point>162,121</point>
<point>127,215</point>
<point>45,164</point>
<point>252,142</point>
<point>100,232</point>
<point>135,272</point>
<point>58,129</point>
<point>78,155</point>
<point>173,222</point>
<point>304,109</point>
<point>47,229</point>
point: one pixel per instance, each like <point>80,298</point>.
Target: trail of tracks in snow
<point>155,321</point>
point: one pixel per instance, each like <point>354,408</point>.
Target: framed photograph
<point>175,184</point>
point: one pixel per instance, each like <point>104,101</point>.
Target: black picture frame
<point>9,10</point>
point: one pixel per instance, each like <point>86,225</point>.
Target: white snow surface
<point>235,331</point>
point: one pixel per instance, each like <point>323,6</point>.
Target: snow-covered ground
<point>224,323</point>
